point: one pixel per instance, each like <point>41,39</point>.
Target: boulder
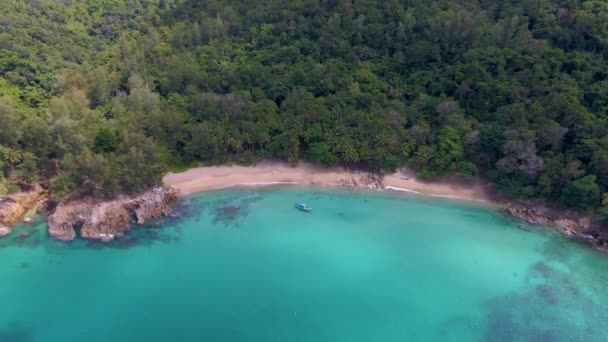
<point>567,227</point>
<point>10,210</point>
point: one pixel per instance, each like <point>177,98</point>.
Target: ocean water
<point>245,265</point>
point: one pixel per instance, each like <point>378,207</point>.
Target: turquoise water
<point>362,266</point>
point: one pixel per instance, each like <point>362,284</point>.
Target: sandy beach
<point>275,173</point>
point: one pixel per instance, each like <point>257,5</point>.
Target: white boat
<point>302,206</point>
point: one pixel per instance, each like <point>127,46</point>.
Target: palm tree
<point>12,156</point>
<point>236,145</point>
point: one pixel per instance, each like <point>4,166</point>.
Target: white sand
<point>271,173</point>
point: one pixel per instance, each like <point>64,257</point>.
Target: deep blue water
<point>245,265</point>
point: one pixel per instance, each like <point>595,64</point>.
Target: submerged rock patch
<point>542,268</point>
<point>550,308</point>
<point>547,293</point>
<point>229,211</point>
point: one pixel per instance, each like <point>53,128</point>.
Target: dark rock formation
<point>104,220</point>
<point>567,223</point>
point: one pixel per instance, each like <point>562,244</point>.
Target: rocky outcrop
<point>568,224</point>
<point>4,231</point>
<point>104,220</point>
<point>159,201</point>
<point>13,207</point>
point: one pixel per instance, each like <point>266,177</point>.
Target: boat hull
<point>303,208</point>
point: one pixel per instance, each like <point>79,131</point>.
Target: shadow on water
<point>163,230</point>
<point>191,208</point>
<point>25,236</point>
<point>15,332</point>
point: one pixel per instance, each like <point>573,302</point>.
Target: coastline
<point>569,224</point>
<point>111,218</point>
<point>265,173</point>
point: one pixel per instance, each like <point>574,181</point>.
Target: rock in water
<point>101,219</point>
<point>14,206</point>
<point>578,228</point>
<point>153,203</point>
<point>4,231</point>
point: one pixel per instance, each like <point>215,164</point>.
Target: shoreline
<point>266,173</point>
<point>571,225</point>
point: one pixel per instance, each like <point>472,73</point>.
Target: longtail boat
<point>302,206</point>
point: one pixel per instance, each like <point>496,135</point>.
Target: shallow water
<point>244,265</point>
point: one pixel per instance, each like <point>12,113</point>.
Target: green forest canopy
<point>105,95</point>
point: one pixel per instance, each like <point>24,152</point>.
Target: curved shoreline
<point>200,179</point>
<point>207,178</point>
